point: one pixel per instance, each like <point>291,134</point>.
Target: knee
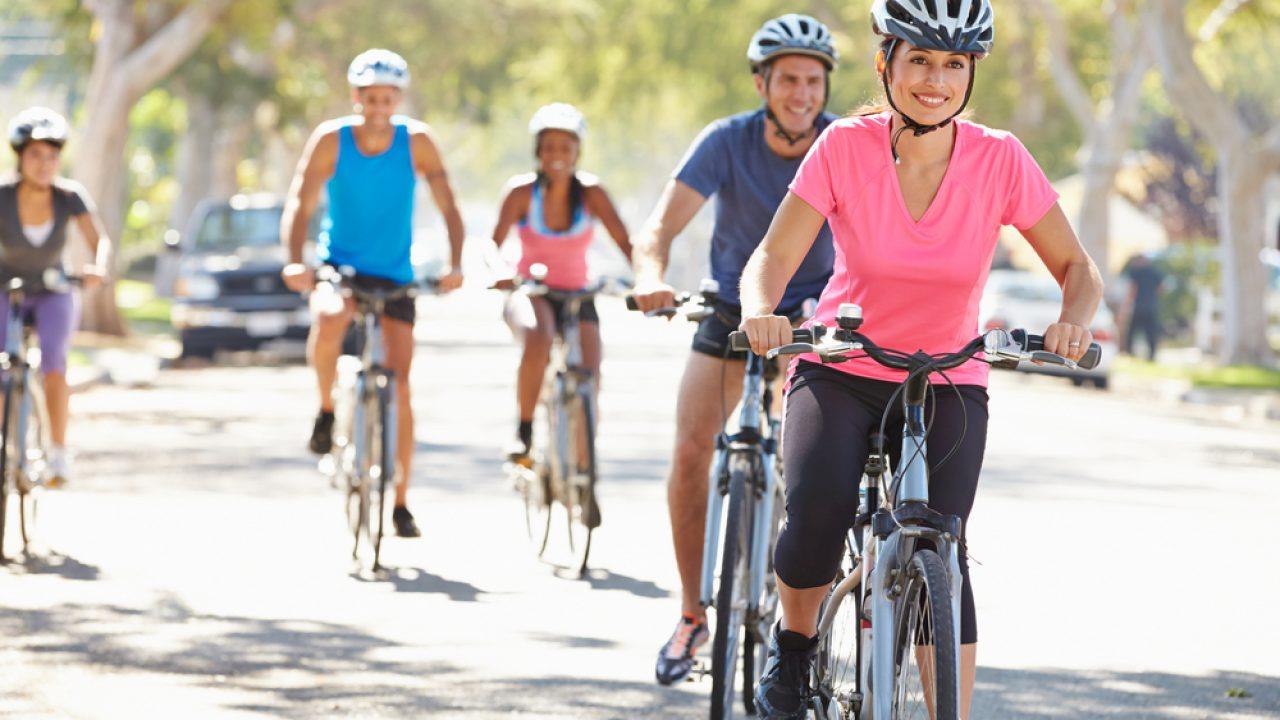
<point>692,453</point>
<point>537,343</point>
<point>331,326</point>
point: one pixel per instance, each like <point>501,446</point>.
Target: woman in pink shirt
<point>554,211</point>
<point>915,199</point>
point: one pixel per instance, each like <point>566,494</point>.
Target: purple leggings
<point>57,315</point>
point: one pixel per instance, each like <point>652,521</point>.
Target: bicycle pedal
<point>699,671</point>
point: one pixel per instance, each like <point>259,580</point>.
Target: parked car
<point>228,293</point>
<point>1021,299</point>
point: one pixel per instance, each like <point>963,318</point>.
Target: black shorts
<point>586,312</point>
<point>712,337</point>
<point>403,309</point>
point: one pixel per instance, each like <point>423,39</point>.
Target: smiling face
<point>39,162</point>
<point>557,152</point>
<point>928,85</point>
<point>377,103</point>
<point>795,89</point>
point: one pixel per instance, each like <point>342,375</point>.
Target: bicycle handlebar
<point>343,277</point>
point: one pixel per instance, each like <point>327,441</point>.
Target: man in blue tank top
<point>746,161</point>
<point>369,164</point>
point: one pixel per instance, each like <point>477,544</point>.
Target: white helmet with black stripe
<point>963,26</point>
<point>37,123</point>
<point>792,34</point>
<point>378,67</point>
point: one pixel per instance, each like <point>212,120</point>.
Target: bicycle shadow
<point>417,580</point>
<point>53,563</point>
<point>601,579</point>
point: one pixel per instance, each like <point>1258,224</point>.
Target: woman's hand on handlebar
<point>1069,340</point>
<point>92,276</point>
<point>766,332</point>
<point>506,283</point>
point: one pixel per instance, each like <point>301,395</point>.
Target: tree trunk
<point>230,141</point>
<point>1244,278</point>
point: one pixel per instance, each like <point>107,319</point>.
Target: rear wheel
<point>838,659</point>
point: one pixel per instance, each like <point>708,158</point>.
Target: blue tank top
<point>369,224</point>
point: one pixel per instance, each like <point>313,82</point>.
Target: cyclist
<point>915,198</point>
<point>746,161</point>
<point>368,163</point>
<point>554,211</point>
<point>36,208</point>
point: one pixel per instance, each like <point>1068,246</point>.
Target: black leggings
<point>829,416</point>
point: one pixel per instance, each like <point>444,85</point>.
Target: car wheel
<point>192,348</point>
<point>1077,381</point>
<point>1102,383</point>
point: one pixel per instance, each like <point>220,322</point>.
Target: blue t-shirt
<point>369,225</point>
<point>731,161</point>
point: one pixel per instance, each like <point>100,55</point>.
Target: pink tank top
<point>564,253</point>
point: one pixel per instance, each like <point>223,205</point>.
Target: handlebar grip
<point>631,302</point>
<point>1032,343</point>
<point>738,340</point>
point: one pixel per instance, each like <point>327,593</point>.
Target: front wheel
<point>580,492</point>
<point>926,660</point>
<point>731,596</point>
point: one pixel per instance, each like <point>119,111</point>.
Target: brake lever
<point>825,352</point>
<point>1044,356</point>
<point>667,312</point>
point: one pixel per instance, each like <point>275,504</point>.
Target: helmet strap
<point>908,123</point>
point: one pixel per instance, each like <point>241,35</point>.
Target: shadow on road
<point>1046,694</point>
<point>607,580</point>
<point>417,580</point>
<point>54,563</point>
<point>301,669</point>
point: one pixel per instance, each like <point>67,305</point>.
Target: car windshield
<point>228,229</point>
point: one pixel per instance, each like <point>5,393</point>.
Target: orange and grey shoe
<point>675,659</point>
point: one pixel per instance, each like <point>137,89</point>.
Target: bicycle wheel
<point>383,453</point>
<point>836,669</point>
<point>534,486</point>
<point>731,595</point>
<point>584,513</point>
<point>35,425</point>
<point>6,459</point>
<point>926,663</point>
<point>755,642</point>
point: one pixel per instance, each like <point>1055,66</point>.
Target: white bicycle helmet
<point>792,34</point>
<point>558,116</point>
<point>37,123</point>
<point>963,26</point>
<point>378,67</point>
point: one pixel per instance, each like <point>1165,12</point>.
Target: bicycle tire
<point>385,462</point>
<point>28,494</point>
<point>755,645</point>
<point>731,593</point>
<point>5,457</point>
<point>923,613</point>
<point>583,512</point>
<point>837,666</point>
<point>535,490</point>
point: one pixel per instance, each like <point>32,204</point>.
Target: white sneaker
<point>57,467</point>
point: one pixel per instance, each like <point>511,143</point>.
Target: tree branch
<point>1219,17</point>
<point>1203,106</point>
<point>1061,68</point>
<point>171,44</point>
<point>1271,146</point>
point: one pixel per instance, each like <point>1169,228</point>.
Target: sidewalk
<point>134,360</point>
<point>1227,404</point>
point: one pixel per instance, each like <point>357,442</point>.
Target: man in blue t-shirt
<point>369,164</point>
<point>746,161</point>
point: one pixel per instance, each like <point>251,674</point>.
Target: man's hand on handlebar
<point>449,281</point>
<point>298,277</point>
<point>653,295</point>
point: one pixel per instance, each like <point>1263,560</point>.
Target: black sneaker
<point>783,691</point>
<point>675,659</point>
<point>403,520</point>
<point>322,433</point>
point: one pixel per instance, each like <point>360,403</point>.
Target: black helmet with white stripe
<point>792,34</point>
<point>37,123</point>
<point>963,26</point>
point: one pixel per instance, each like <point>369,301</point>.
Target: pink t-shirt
<point>918,282</point>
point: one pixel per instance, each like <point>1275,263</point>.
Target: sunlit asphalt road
<point>199,567</point>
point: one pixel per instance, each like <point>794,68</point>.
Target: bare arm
<point>1061,252</point>
<point>515,203</point>
<point>95,234</point>
<point>319,159</point>
<point>775,260</point>
<point>427,162</point>
<point>677,206</point>
<point>600,205</point>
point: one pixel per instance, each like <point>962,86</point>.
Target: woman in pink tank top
<point>915,199</point>
<point>554,211</point>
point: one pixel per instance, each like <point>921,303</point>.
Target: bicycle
<point>908,645</point>
<point>563,472</point>
<point>365,412</point>
<point>744,477</point>
<point>26,416</point>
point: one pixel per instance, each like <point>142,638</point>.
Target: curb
<point>1230,404</point>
